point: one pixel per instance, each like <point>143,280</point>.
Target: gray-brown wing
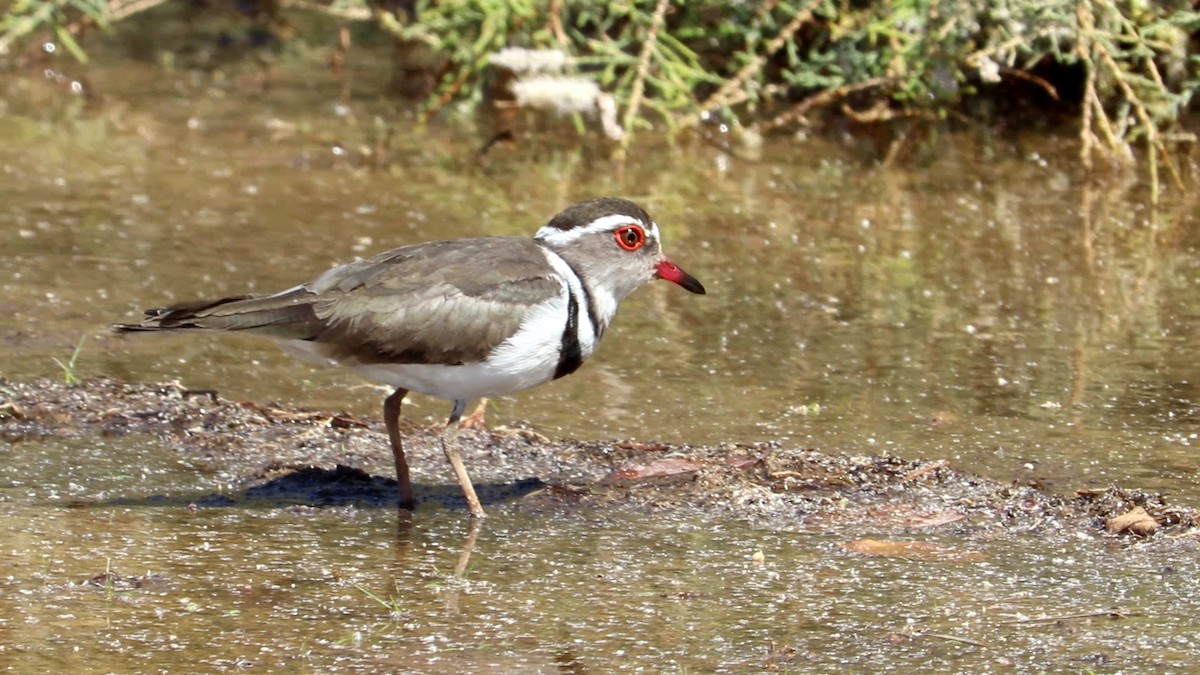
<point>441,302</point>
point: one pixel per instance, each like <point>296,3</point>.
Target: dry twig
<point>734,90</point>
<point>643,71</point>
<point>1114,613</point>
<point>798,111</point>
<point>955,638</point>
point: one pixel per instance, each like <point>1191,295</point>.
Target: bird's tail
<point>287,315</point>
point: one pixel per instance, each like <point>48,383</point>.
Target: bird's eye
<point>630,237</point>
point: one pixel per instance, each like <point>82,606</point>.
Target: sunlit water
<point>992,308</point>
<point>91,586</point>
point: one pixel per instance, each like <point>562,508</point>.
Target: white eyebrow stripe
<point>557,237</point>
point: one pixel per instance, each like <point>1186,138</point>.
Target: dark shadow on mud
<point>341,486</point>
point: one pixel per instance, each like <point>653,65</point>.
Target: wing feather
<point>442,302</point>
<point>439,302</point>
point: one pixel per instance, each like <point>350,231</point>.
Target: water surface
<point>991,306</point>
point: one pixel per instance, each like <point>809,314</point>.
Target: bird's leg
<point>450,447</point>
<point>391,419</point>
<point>460,404</point>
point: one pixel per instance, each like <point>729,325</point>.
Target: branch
<point>1154,143</point>
<point>825,97</point>
<point>1114,613</point>
<point>1083,48</point>
<point>643,70</point>
<point>734,89</point>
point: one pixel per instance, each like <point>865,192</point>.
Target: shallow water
<point>92,586</point>
<point>991,307</point>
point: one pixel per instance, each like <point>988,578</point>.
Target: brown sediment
<point>283,454</point>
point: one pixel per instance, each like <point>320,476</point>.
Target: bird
<point>456,319</point>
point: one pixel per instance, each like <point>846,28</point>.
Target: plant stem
<point>639,81</point>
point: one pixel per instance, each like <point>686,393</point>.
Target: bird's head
<point>613,244</point>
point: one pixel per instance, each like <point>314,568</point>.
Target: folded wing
<point>440,302</point>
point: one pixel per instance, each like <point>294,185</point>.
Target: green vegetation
<point>1121,72</point>
<point>393,605</point>
<point>70,377</point>
<point>63,18</point>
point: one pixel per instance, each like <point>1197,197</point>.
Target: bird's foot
<point>476,419</point>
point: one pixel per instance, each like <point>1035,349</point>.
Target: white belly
<point>525,360</point>
<point>458,382</point>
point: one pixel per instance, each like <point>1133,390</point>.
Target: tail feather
<point>287,315</point>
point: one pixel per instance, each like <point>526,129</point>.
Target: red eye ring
<point>630,237</point>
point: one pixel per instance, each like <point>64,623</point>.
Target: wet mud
<point>275,454</point>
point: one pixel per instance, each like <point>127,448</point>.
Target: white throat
<point>596,304</point>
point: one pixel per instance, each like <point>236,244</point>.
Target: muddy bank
<point>284,455</point>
